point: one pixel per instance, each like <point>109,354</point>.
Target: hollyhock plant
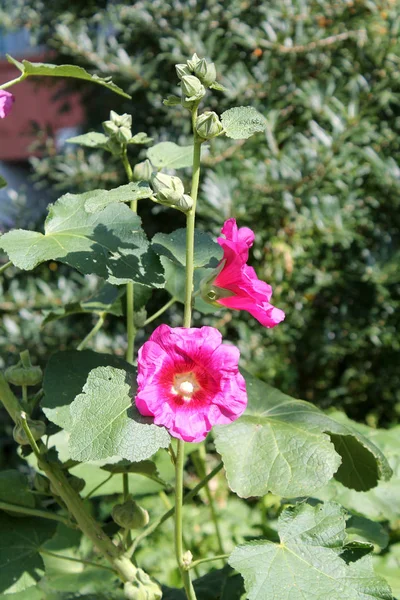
<point>235,284</point>
<point>189,381</point>
<point>6,102</point>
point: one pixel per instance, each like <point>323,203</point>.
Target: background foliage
<point>322,186</point>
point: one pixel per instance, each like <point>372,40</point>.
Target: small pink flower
<point>235,284</point>
<point>189,381</point>
<point>6,102</point>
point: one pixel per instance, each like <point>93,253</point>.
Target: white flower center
<point>185,385</point>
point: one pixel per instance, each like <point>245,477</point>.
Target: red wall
<point>34,102</point>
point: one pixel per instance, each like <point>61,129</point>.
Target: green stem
<point>200,465</point>
<point>125,483</point>
<point>130,325</point>
<point>8,399</point>
<point>195,563</point>
<point>93,331</point>
<point>7,264</point>
<point>4,86</point>
<point>180,459</point>
<point>36,512</point>
<point>161,311</point>
<point>98,486</point>
<point>78,560</point>
<point>170,513</point>
<point>130,294</point>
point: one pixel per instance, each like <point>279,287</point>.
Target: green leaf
<point>109,243</point>
<point>207,253</point>
<point>167,155</point>
<point>388,566</point>
<point>382,502</point>
<point>175,276</point>
<point>48,70</point>
<point>359,528</point>
<point>64,377</point>
<point>282,445</point>
<point>117,429</point>
<point>106,299</point>
<point>147,468</point>
<point>218,87</point>
<point>241,122</point>
<point>307,561</point>
<point>140,138</point>
<point>21,539</point>
<point>125,193</point>
<point>14,488</point>
<point>92,139</point>
<point>3,182</point>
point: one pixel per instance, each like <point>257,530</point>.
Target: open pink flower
<point>189,381</point>
<point>6,102</point>
<point>235,284</point>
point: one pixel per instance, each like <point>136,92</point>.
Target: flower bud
<point>123,135</point>
<point>143,171</point>
<point>208,125</point>
<point>124,120</point>
<point>130,515</point>
<point>185,202</point>
<point>182,70</point>
<point>210,75</point>
<point>192,88</point>
<point>77,483</point>
<point>193,62</point>
<point>19,375</point>
<point>168,189</point>
<point>110,128</point>
<point>38,429</point>
<point>41,483</point>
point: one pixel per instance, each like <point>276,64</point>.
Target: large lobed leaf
<point>307,563</point>
<point>106,423</point>
<point>207,253</point>
<point>49,70</point>
<point>108,242</point>
<point>14,489</point>
<point>20,561</point>
<point>291,448</point>
<point>167,155</point>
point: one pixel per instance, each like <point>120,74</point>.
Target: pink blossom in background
<point>6,102</point>
<point>243,289</point>
<point>189,381</point>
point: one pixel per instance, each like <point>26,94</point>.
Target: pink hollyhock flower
<point>6,102</point>
<point>235,284</point>
<point>189,381</point>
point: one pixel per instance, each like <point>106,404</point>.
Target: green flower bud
<point>110,128</point>
<point>38,429</point>
<point>192,88</point>
<point>19,375</point>
<point>182,70</point>
<point>41,483</point>
<point>210,76</point>
<point>77,483</point>
<point>123,135</point>
<point>208,125</point>
<point>192,64</point>
<point>185,202</point>
<point>143,171</point>
<point>130,515</point>
<point>124,120</point>
<point>168,189</point>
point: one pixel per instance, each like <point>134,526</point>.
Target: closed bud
<point>192,88</point>
<point>182,70</point>
<point>38,429</point>
<point>210,76</point>
<point>193,62</point>
<point>208,125</point>
<point>130,515</point>
<point>19,375</point>
<point>41,483</point>
<point>124,120</point>
<point>77,483</point>
<point>110,128</point>
<point>123,135</point>
<point>143,171</point>
<point>185,203</point>
<point>200,69</point>
<point>168,188</point>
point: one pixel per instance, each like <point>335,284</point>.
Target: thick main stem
<point>187,318</point>
<point>130,291</point>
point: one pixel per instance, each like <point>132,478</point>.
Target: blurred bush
<point>321,189</point>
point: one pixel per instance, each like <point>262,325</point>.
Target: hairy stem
<point>161,311</point>
<point>36,512</point>
<point>99,486</point>
<point>200,465</point>
<point>77,560</point>
<point>170,513</point>
<point>93,331</point>
<point>4,86</point>
<point>6,265</point>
